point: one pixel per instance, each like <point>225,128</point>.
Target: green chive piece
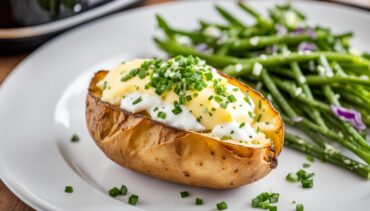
<point>68,189</point>
<point>255,202</point>
<point>264,200</point>
<point>105,85</point>
<point>114,192</point>
<point>274,197</point>
<point>161,115</point>
<point>250,114</point>
<point>259,116</point>
<point>299,207</point>
<point>306,165</point>
<point>198,201</point>
<point>231,98</point>
<point>138,100</point>
<point>273,208</point>
<point>221,206</point>
<point>75,138</point>
<point>177,110</point>
<point>292,177</point>
<point>242,125</point>
<point>184,194</point>
<point>308,183</point>
<point>223,105</point>
<point>133,199</point>
<point>264,205</point>
<point>310,158</point>
<point>246,99</point>
<point>123,190</point>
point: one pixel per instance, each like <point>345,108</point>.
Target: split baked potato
<point>138,142</point>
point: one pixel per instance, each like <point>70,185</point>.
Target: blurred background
<point>27,24</point>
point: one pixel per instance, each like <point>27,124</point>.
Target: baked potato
<point>137,141</point>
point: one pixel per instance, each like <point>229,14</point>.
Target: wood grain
<point>8,201</point>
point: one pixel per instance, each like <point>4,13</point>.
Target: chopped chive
<point>246,99</point>
<point>184,194</point>
<point>259,116</point>
<point>123,190</point>
<point>223,105</point>
<point>188,98</point>
<point>274,197</point>
<point>264,205</point>
<point>273,208</point>
<point>306,165</point>
<point>133,199</point>
<point>161,115</point>
<point>292,177</point>
<point>250,114</point>
<point>138,100</point>
<point>299,207</point>
<point>155,109</point>
<point>242,125</point>
<point>177,110</point>
<point>68,189</point>
<point>75,138</point>
<point>231,98</point>
<point>105,85</point>
<point>255,202</point>
<point>259,104</point>
<point>258,130</point>
<point>307,183</point>
<point>218,98</point>
<point>210,97</point>
<point>209,76</point>
<point>198,201</point>
<point>235,89</point>
<point>114,192</point>
<point>310,158</point>
<point>221,206</point>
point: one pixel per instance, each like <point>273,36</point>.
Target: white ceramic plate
<point>42,105</point>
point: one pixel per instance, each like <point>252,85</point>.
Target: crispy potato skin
<point>136,142</point>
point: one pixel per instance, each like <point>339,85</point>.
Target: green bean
<point>230,18</point>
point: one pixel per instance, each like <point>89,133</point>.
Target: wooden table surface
<point>8,201</point>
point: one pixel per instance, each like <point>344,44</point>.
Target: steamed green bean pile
<point>314,78</point>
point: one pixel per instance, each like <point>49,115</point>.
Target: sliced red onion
<point>306,46</point>
<point>201,47</point>
<point>349,115</point>
<point>298,31</point>
<point>297,119</point>
<point>272,49</point>
<point>309,31</point>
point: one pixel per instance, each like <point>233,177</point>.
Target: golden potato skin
<point>136,142</point>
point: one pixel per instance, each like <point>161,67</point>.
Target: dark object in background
<point>24,25</point>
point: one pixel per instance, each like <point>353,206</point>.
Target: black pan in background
<point>25,25</point>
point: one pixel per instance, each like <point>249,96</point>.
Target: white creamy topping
<point>136,102</point>
<point>234,131</point>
